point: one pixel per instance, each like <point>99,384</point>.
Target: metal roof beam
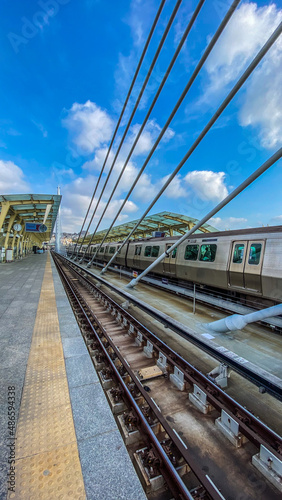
<point>4,211</point>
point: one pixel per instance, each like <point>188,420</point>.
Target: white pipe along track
<point>238,322</point>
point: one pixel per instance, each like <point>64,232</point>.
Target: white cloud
<point>168,135</point>
<point>89,126</point>
<point>145,141</point>
<point>76,199</point>
<point>13,132</point>
<point>12,179</point>
<point>145,189</point>
<point>228,223</point>
<point>148,137</point>
<point>277,220</point>
<point>245,34</point>
<point>95,164</point>
<point>123,76</point>
<point>140,19</point>
<point>262,103</point>
<point>207,185</point>
<point>176,188</point>
<point>113,207</point>
<point>179,26</point>
<point>233,51</point>
<point>59,171</point>
<point>41,128</point>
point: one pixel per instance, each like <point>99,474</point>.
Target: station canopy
<point>170,223</point>
<point>35,209</point>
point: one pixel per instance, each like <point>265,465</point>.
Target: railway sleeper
<point>149,466</point>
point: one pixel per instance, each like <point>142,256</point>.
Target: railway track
<point>265,381</point>
<point>215,298</point>
<point>117,342</point>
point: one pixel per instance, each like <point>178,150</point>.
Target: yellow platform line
<point>47,460</point>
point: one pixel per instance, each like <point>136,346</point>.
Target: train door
<point>136,256</point>
<point>169,261</point>
<point>246,263</point>
<point>253,265</point>
<point>237,263</point>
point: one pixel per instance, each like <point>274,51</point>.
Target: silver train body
<point>247,261</point>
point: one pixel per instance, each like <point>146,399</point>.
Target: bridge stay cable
<point>257,59</point>
<point>199,66</point>
<point>164,36</point>
<point>171,64</point>
<point>121,114</point>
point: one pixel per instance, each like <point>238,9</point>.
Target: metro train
<point>245,262</point>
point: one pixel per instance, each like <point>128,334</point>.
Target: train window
<point>106,249</point>
<point>137,250</point>
<point>155,251</point>
<point>238,253</point>
<point>101,250</point>
<point>255,252</point>
<point>147,252</point>
<point>191,252</point>
<point>112,249</point>
<point>173,254</point>
<point>207,253</point>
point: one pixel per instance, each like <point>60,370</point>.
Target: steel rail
<point>188,334</point>
<point>250,426</point>
<point>167,467</point>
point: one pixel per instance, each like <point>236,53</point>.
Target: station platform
<point>59,439</point>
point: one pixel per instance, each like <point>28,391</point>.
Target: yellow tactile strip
<point>47,460</point>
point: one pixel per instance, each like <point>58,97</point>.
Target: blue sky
<point>66,66</point>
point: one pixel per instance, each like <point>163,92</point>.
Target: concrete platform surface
<point>67,441</point>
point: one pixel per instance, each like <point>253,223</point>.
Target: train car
<point>246,262</point>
